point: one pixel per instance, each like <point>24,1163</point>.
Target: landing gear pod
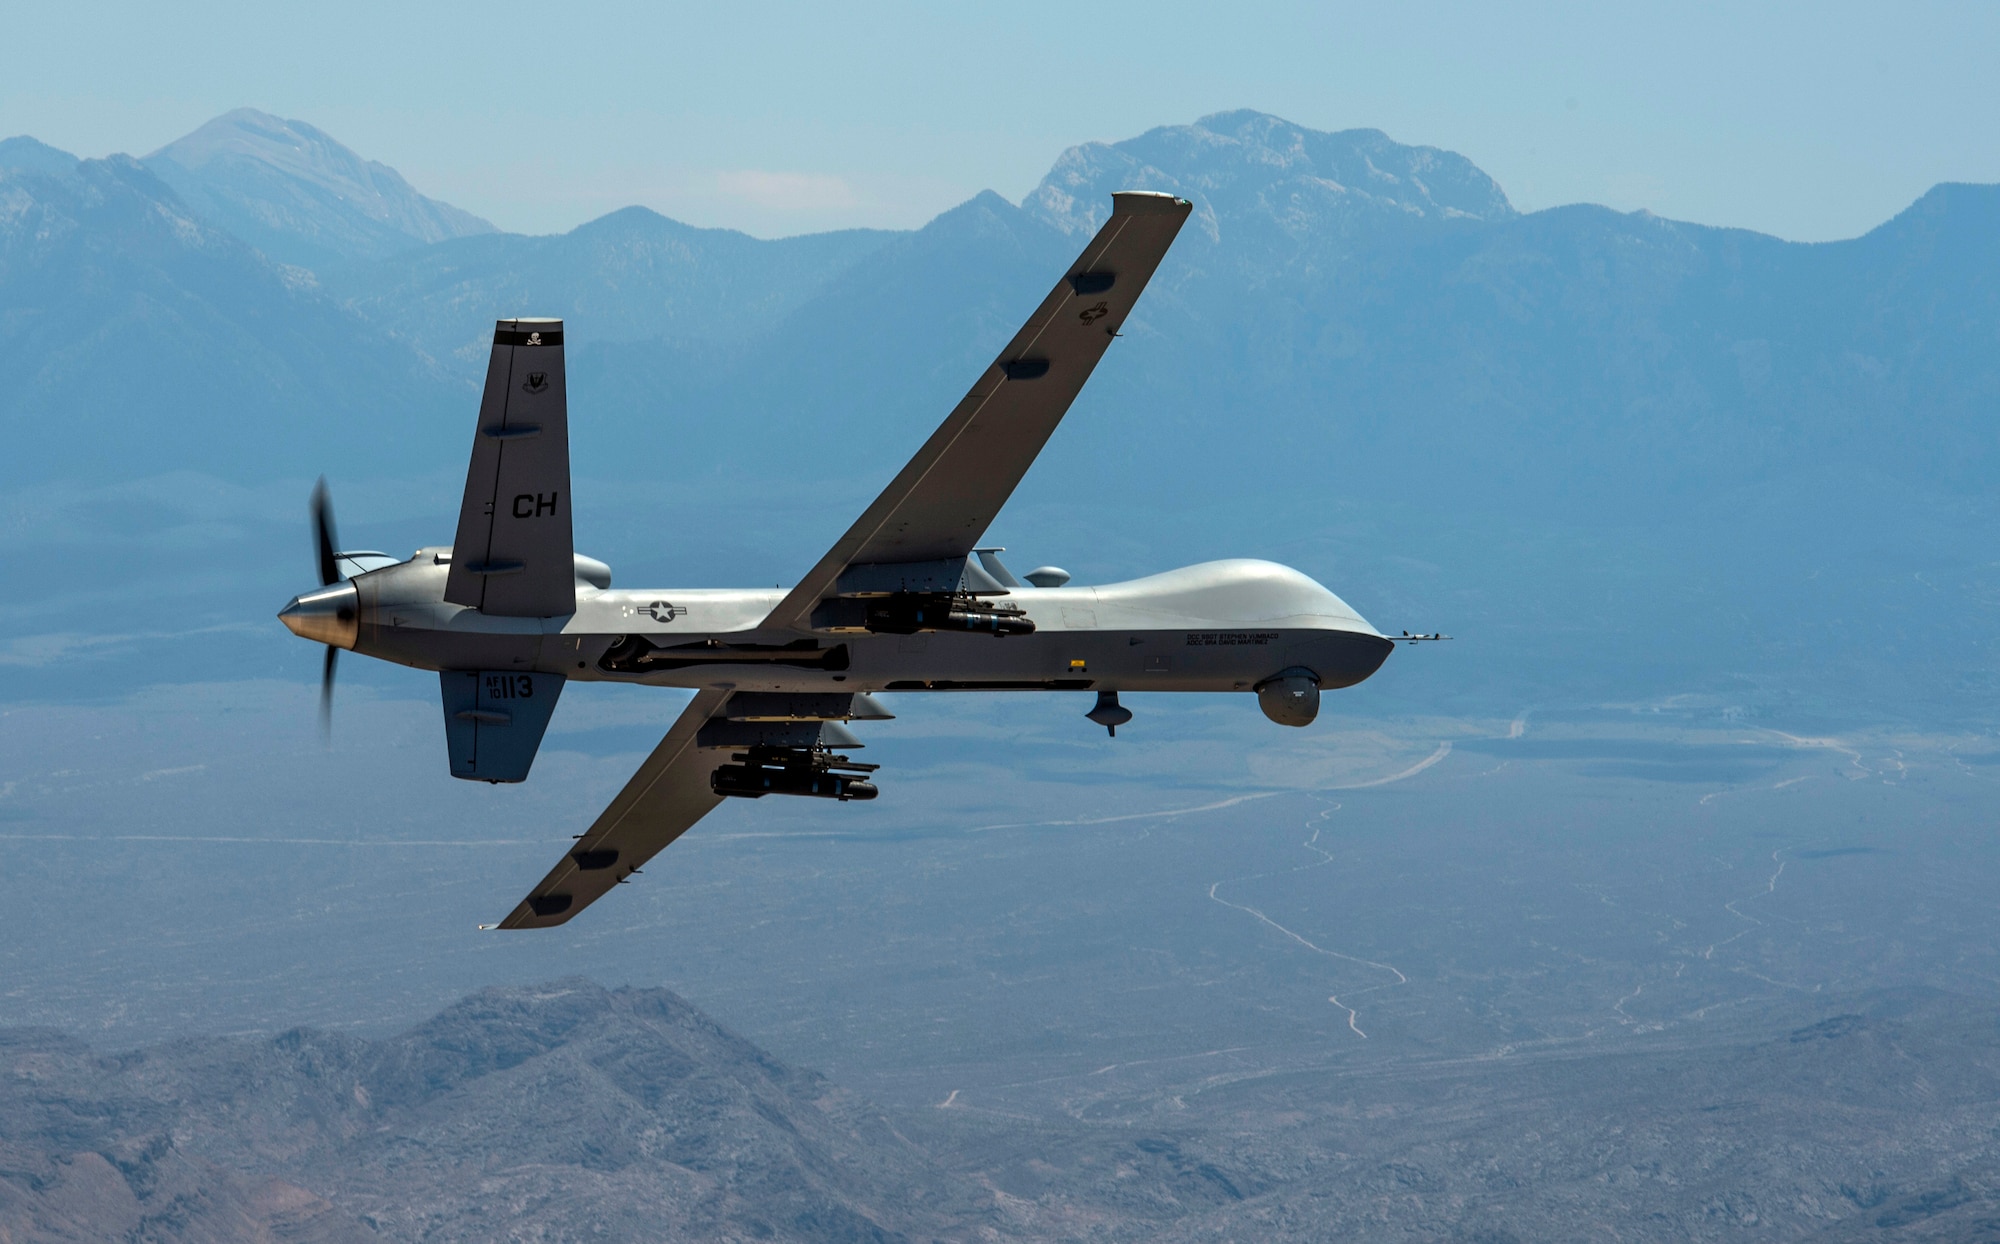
<point>1290,697</point>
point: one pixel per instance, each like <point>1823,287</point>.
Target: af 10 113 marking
<point>909,599</point>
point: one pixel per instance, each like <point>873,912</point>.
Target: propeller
<point>323,537</point>
<point>330,614</point>
<point>324,544</point>
<point>326,694</point>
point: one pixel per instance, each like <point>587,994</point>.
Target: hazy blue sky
<point>1809,121</point>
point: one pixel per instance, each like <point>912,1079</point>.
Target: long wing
<point>940,505</point>
<point>513,556</point>
<point>668,794</point>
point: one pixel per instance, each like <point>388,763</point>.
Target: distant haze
<point>1631,454</point>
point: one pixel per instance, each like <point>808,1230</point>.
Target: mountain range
<point>299,196</point>
<point>625,1115</point>
<point>1357,293</point>
<point>1359,355</point>
<point>568,1111</point>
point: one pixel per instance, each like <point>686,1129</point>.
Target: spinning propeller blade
<point>323,537</point>
<point>326,694</point>
<point>324,546</point>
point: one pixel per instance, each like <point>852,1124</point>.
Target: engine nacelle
<point>1290,697</point>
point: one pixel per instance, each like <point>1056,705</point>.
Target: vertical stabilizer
<point>494,721</point>
<point>515,553</point>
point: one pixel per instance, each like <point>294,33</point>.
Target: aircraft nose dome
<point>328,616</point>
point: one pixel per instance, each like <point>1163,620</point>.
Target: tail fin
<point>494,721</point>
<point>515,552</point>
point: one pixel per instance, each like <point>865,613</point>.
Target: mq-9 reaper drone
<point>907,600</point>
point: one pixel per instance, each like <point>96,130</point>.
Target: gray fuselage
<point>1218,626</point>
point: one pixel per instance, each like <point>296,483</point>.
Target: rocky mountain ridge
<point>631,276</point>
<point>22,154</point>
<point>298,195</point>
<point>565,1110</point>
<point>1362,295</point>
<point>130,313</point>
<point>1244,164</point>
<point>561,1110</point>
